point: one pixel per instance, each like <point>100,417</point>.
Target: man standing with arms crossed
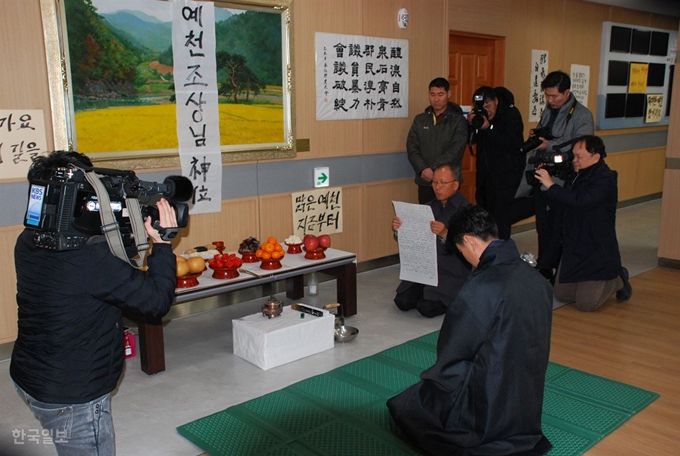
<point>437,137</point>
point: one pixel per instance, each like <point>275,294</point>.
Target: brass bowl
<point>272,307</point>
<point>345,333</point>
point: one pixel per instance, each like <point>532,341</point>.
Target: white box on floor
<point>270,342</point>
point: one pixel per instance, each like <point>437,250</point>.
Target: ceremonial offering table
<point>337,263</point>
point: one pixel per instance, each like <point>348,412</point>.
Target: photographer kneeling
<point>590,269</point>
<point>69,353</point>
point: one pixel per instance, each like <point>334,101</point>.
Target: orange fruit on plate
<point>271,240</point>
<point>266,255</point>
<point>268,247</point>
<point>278,248</point>
<point>196,264</point>
<point>182,269</point>
<point>258,253</point>
<point>276,255</point>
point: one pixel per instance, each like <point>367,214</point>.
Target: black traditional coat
<point>484,394</point>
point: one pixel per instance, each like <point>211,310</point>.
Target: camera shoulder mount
<point>110,226</point>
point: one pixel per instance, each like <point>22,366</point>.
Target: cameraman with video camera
<point>590,268</point>
<point>69,353</point>
<point>497,128</point>
<point>562,120</point>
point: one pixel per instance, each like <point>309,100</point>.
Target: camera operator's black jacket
<point>497,156</point>
<point>70,347</point>
<point>431,145</point>
<point>590,250</point>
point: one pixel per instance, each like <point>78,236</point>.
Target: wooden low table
<point>339,264</point>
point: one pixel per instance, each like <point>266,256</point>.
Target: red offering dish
<point>248,257</point>
<point>219,246</point>
<point>188,281</point>
<point>294,248</point>
<point>225,273</point>
<point>316,254</point>
<point>270,264</point>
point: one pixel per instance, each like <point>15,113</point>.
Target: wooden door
<point>474,61</point>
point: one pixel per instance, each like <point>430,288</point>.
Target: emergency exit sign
<point>321,177</point>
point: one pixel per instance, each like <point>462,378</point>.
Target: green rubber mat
<point>343,412</point>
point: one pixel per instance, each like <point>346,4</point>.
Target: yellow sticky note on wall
<point>638,78</point>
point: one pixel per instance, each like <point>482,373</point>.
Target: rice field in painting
<point>153,127</point>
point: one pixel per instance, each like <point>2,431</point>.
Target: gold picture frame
<point>55,30</point>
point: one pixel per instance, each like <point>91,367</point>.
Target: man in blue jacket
<point>590,269</point>
<point>69,352</point>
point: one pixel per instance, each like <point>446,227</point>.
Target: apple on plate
<point>324,241</point>
<point>311,242</point>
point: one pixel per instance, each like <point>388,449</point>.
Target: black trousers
<point>548,229</point>
<point>412,298</point>
<point>498,198</point>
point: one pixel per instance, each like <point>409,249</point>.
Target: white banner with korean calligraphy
<point>22,138</point>
<point>580,80</point>
<point>539,70</point>
<point>317,211</point>
<point>195,75</point>
<point>360,77</point>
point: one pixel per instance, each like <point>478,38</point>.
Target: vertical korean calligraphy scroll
<point>580,81</point>
<point>193,47</point>
<point>539,70</point>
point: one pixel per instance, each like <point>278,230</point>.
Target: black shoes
<point>626,292</point>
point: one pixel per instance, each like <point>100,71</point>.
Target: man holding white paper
<point>431,277</point>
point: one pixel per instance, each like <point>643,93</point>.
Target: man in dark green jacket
<point>437,137</point>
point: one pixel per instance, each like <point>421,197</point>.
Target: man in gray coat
<point>564,119</point>
<point>437,137</point>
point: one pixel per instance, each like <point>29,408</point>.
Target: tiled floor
<point>203,376</point>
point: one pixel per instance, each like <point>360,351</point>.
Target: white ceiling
<point>665,7</point>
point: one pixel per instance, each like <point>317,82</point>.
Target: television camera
<point>64,211</point>
<point>558,162</point>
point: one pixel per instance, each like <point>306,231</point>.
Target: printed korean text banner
<point>360,77</point>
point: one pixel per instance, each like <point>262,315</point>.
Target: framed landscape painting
<point>110,65</point>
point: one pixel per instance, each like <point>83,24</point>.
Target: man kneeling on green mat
<point>484,394</point>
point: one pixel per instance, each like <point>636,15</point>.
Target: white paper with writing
<point>417,243</point>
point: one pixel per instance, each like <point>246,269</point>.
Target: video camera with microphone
<point>556,162</point>
<point>64,211</point>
